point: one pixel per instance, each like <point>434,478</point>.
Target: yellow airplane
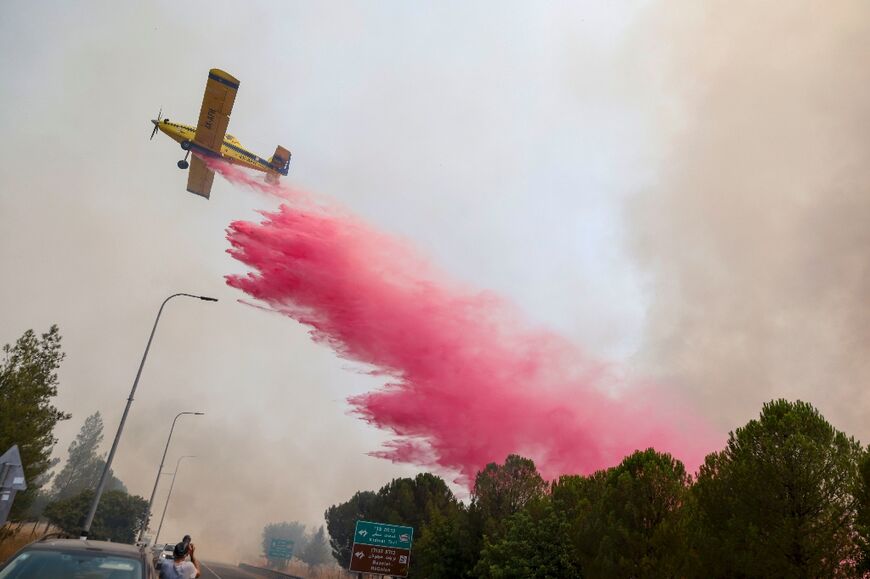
<point>209,137</point>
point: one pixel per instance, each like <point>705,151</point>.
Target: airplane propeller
<point>154,132</point>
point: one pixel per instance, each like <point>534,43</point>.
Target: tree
<point>534,544</point>
<point>451,540</point>
<point>862,496</point>
<point>316,551</point>
<point>293,531</point>
<point>83,465</point>
<point>448,546</point>
<point>410,502</point>
<point>627,520</point>
<point>118,517</point>
<point>779,500</point>
<point>403,501</point>
<point>503,490</point>
<point>28,383</point>
<point>341,520</point>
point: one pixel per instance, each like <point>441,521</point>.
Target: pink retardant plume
<point>469,381</point>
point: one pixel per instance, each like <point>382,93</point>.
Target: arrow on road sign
<point>363,533</point>
<point>359,555</point>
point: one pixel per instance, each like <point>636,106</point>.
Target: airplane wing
<point>217,104</point>
<point>199,178</point>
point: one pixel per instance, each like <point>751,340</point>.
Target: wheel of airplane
<point>182,164</point>
<point>185,145</point>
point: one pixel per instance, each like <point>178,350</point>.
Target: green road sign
<point>281,549</point>
<point>383,535</point>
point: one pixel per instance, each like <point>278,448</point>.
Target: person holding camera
<point>180,567</point>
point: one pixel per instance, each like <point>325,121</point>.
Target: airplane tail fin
<point>280,161</point>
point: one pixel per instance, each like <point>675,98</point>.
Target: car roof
<point>109,548</point>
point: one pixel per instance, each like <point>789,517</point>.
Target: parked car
<point>165,553</point>
<point>78,559</point>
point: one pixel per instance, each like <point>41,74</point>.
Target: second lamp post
<point>160,470</point>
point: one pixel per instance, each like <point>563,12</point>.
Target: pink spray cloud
<point>469,381</point>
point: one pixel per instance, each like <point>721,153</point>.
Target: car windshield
<point>42,564</point>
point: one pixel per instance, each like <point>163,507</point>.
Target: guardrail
<point>267,572</point>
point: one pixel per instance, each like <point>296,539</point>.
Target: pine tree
<point>28,383</point>
<point>316,551</point>
<point>84,465</point>
<point>782,499</point>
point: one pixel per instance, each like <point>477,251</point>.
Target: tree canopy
<point>500,490</point>
<point>316,551</point>
<point>403,501</point>
<point>789,496</point>
<point>118,517</point>
<point>780,500</point>
<point>83,464</point>
<point>627,521</point>
<point>28,385</point>
<point>293,531</point>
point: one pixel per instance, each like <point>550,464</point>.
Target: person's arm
<point>194,560</point>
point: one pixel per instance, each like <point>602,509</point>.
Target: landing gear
<point>183,164</point>
<point>185,145</point>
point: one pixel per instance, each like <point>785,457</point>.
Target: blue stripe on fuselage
<point>204,150</point>
<point>250,156</point>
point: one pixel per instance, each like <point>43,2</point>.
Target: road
<point>222,571</point>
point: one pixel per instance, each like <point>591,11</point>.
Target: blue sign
<point>281,549</point>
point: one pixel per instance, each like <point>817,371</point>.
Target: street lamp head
<point>207,299</point>
<point>198,413</point>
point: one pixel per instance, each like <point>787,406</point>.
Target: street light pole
<point>159,470</point>
<point>169,495</point>
<point>108,466</point>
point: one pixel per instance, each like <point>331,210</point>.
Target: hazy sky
<point>681,190</point>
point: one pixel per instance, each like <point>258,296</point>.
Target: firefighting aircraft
<point>209,137</point>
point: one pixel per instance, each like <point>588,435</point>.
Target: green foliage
<point>862,521</point>
<point>316,551</point>
<point>42,496</point>
<point>411,502</point>
<point>341,520</point>
<point>448,545</point>
<point>627,519</point>
<point>788,497</point>
<point>28,383</point>
<point>534,544</point>
<point>780,500</point>
<point>84,466</point>
<point>403,501</point>
<point>118,516</point>
<point>294,530</point>
<point>502,490</point>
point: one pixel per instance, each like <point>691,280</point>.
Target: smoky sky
<point>676,188</point>
<point>755,232</point>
